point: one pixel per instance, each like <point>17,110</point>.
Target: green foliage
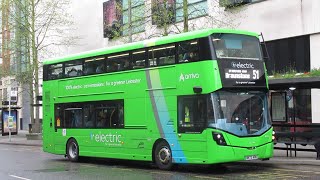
<point>291,73</point>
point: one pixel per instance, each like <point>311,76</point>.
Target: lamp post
<point>294,108</point>
<point>294,119</point>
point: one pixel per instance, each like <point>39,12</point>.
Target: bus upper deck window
<point>188,51</point>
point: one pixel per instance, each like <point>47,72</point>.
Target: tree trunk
<point>35,69</point>
<point>166,18</point>
<point>185,16</point>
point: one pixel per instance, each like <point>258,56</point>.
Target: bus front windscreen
<point>242,113</point>
<point>236,46</point>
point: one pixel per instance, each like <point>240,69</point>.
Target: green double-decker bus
<point>193,98</point>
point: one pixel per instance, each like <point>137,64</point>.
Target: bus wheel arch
<point>72,150</point>
<point>162,154</point>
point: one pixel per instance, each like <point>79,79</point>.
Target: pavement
<point>20,139</point>
<point>280,156</point>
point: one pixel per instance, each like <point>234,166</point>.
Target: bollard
<point>30,128</point>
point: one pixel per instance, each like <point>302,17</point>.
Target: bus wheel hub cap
<point>73,150</point>
<point>164,155</point>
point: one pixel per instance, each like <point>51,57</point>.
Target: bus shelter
<point>9,121</point>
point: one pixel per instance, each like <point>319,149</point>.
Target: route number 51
<point>255,74</point>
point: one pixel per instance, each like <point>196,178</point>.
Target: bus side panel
<point>194,147</point>
<point>49,123</point>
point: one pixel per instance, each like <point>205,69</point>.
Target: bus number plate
<point>253,157</point>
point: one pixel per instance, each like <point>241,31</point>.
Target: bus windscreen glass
<point>235,46</point>
<point>239,112</point>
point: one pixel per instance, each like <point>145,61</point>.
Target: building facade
<point>291,30</point>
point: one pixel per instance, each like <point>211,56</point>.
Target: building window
<point>112,18</point>
<point>0,94</point>
<point>235,3</point>
<point>196,8</point>
<point>290,54</point>
<point>5,94</point>
<point>137,17</point>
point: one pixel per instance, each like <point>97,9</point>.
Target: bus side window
<point>89,116</point>
<point>162,55</point>
<point>73,116</point>
<point>152,59</point>
<point>138,59</point>
<point>116,62</point>
<point>73,69</point>
<point>102,117</point>
<point>117,115</point>
<point>93,66</point>
<point>58,116</point>
<point>188,51</point>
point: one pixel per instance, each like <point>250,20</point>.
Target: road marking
<point>87,165</point>
<point>124,169</point>
<point>291,170</point>
<point>19,177</point>
<point>207,177</point>
<point>165,173</point>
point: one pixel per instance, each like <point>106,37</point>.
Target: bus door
<point>192,117</point>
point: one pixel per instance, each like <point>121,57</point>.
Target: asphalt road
<point>30,163</point>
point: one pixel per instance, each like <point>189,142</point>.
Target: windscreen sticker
<point>64,132</point>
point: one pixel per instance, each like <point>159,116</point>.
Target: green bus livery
<point>194,98</point>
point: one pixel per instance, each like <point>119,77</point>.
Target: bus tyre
<point>163,156</point>
<point>73,150</point>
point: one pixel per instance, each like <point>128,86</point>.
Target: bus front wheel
<point>73,150</point>
<point>163,156</point>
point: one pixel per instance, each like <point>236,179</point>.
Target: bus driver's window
<point>192,113</point>
<point>186,118</point>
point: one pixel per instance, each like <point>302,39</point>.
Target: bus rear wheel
<point>163,156</point>
<point>73,150</point>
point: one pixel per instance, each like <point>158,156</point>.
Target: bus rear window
<point>235,46</point>
<point>55,71</point>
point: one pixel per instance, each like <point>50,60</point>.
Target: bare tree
<point>39,25</point>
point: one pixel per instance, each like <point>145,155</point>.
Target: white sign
<point>64,132</point>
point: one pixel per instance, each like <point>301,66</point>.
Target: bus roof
<point>147,43</point>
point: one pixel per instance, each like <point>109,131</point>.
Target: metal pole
<point>9,108</point>
<point>294,122</point>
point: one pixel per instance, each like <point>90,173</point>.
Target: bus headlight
<point>218,137</point>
